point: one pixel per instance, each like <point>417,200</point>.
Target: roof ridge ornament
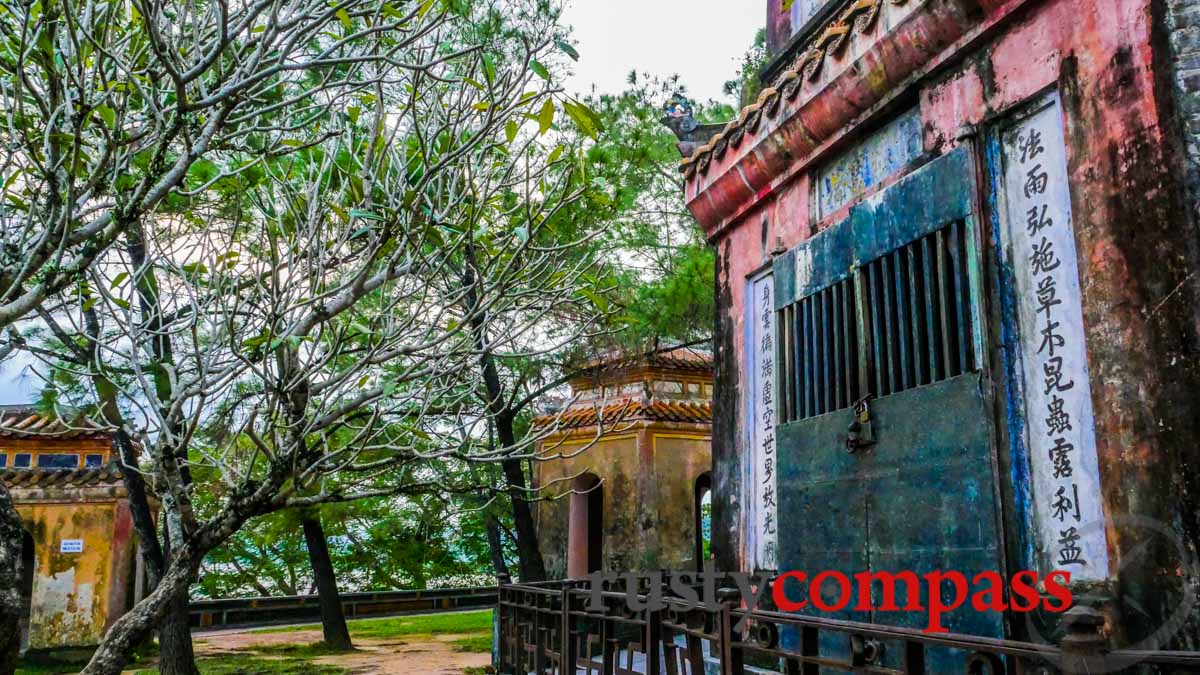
<point>679,117</point>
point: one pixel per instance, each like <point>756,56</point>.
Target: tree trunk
<point>333,621</point>
<point>175,655</point>
<point>124,635</point>
<point>529,554</point>
<point>11,535</point>
<point>496,546</point>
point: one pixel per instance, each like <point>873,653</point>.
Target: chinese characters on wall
<point>1059,429</point>
<point>760,350</point>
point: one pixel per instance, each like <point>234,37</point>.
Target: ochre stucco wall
<point>649,473</point>
<point>76,596</point>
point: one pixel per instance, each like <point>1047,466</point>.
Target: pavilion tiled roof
<point>45,478</point>
<point>695,412</point>
<point>678,358</point>
<point>25,422</point>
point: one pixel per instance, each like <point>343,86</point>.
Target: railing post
<point>653,641</point>
<point>608,647</point>
<point>914,658</point>
<point>810,645</point>
<point>542,635</point>
<point>731,656</point>
<point>566,651</point>
<point>498,651</point>
<point>1083,646</point>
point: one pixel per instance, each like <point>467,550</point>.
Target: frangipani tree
<point>290,318</point>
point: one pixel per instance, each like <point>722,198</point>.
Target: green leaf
<point>546,117</point>
<point>482,106</point>
<point>106,113</point>
<point>255,342</point>
<point>522,233</point>
<point>510,130</point>
<point>416,432</point>
<point>555,154</point>
<point>584,118</point>
<point>598,300</point>
<point>366,215</point>
<point>122,303</point>
<point>119,279</point>
<point>567,49</point>
<point>17,202</point>
<point>540,70</point>
<point>489,67</point>
<point>353,112</point>
<point>344,17</point>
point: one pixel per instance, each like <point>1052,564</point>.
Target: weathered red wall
<point>1136,244</point>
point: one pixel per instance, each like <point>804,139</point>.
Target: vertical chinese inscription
<point>761,350</point>
<point>1059,429</point>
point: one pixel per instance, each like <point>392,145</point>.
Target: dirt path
<point>417,654</point>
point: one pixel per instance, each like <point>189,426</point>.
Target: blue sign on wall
<point>881,154</point>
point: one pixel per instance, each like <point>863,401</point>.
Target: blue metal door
<point>884,307</point>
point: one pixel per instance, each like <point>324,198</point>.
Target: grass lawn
<point>245,664</point>
<point>473,628</point>
<point>423,624</point>
<point>71,661</point>
<point>232,664</point>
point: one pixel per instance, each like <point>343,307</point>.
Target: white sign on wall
<point>760,361</point>
<point>70,546</point>
<point>1059,428</point>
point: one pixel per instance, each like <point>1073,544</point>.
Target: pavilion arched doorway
<point>585,534</point>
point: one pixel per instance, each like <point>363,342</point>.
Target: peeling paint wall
<point>968,64</point>
<point>76,596</point>
<point>649,475</point>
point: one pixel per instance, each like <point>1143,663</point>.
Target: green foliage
<point>655,255</point>
<point>375,544</point>
<point>748,83</point>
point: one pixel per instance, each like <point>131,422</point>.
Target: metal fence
<point>304,608</point>
<point>548,628</point>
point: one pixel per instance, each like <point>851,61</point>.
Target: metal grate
<point>916,328</point>
<point>819,352</point>
<point>919,312</point>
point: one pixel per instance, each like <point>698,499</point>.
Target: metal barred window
<point>899,321</point>
<point>819,352</point>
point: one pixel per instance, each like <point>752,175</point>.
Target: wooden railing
<point>302,608</point>
<point>548,628</point>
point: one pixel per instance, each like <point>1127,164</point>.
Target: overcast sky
<point>701,40</point>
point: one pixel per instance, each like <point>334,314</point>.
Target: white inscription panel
<point>760,353</point>
<point>70,546</point>
<point>1059,428</point>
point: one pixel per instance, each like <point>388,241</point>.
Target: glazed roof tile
<point>24,422</point>
<point>858,15</point>
<point>44,478</point>
<point>630,411</point>
<point>678,358</point>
